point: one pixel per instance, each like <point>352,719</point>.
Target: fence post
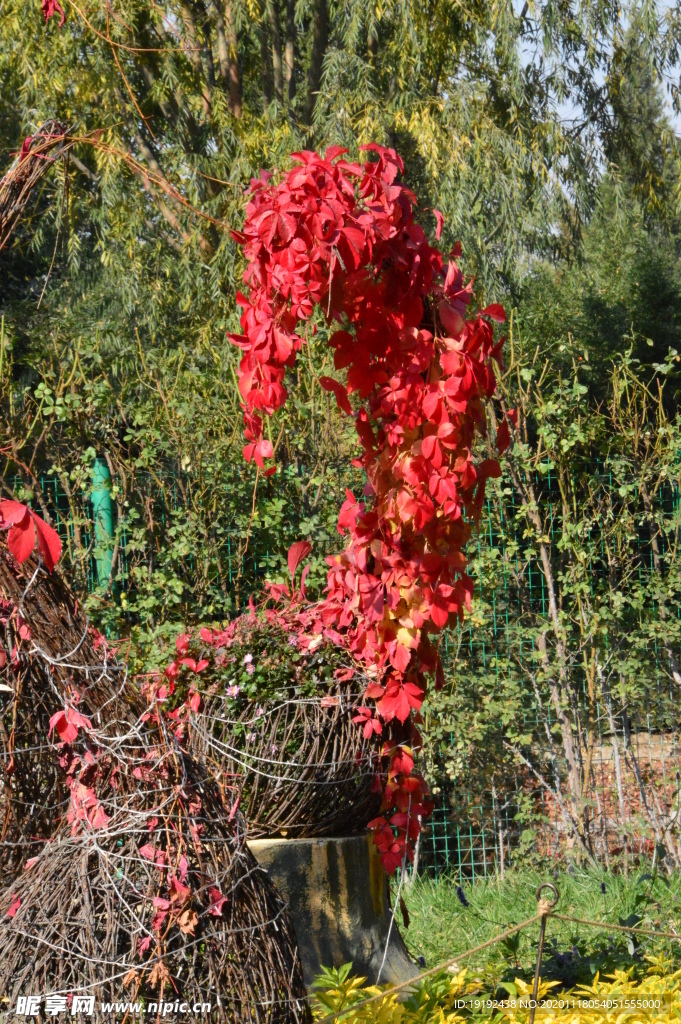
<point>102,514</point>
<point>545,908</point>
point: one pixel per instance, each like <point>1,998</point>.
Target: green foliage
<point>577,961</point>
<point>440,926</point>
<point>177,106</point>
<point>447,999</point>
<point>575,631</point>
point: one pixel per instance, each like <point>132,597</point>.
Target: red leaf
<point>296,553</point>
<point>67,723</point>
<point>11,513</point>
<point>451,320</point>
<point>182,643</point>
<point>48,542</point>
<point>258,451</point>
<point>503,437</point>
<point>100,819</point>
<point>334,151</point>
<point>439,221</point>
<point>398,701</point>
<point>159,918</point>
<point>495,311</point>
<point>234,808</point>
<point>342,401</point>
<point>439,615</point>
<point>488,468</point>
<point>400,657</point>
<point>25,148</point>
<point>428,445</point>
<point>21,538</point>
<point>217,900</point>
<point>14,906</point>
<point>52,7</point>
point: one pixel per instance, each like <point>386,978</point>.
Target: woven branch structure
<point>50,143</point>
<point>274,717</point>
<point>48,657</point>
<point>161,902</point>
<point>128,874</point>
<point>304,767</point>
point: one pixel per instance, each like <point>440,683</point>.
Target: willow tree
<point>117,289</point>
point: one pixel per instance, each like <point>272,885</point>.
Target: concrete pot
<point>339,902</point>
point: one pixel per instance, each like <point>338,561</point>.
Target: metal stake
<point>545,908</point>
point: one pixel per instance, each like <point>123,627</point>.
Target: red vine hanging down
<point>341,236</point>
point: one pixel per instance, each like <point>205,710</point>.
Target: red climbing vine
<point>341,236</point>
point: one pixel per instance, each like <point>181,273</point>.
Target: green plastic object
<point>102,513</point>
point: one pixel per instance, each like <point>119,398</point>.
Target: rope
<point>618,927</point>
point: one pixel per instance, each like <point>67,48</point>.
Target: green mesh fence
<point>482,824</point>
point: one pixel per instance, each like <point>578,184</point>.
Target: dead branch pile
<point>270,709</point>
<point>138,884</point>
<point>38,153</point>
<point>49,660</point>
<point>155,898</point>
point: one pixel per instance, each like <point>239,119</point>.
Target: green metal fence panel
<point>471,832</point>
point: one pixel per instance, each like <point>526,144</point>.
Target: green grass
<point>441,927</point>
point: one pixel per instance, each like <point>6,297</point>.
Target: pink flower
<point>250,669</point>
<point>233,691</point>
<point>248,658</point>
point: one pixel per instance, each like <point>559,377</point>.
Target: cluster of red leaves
<point>83,769</point>
<point>342,236</point>
<point>91,772</point>
<point>50,8</point>
<point>24,529</point>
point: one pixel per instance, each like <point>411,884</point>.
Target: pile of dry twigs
<point>127,874</point>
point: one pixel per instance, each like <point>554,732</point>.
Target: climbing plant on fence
<point>497,706</point>
<point>561,714</point>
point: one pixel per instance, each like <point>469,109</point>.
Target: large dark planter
<point>339,903</point>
